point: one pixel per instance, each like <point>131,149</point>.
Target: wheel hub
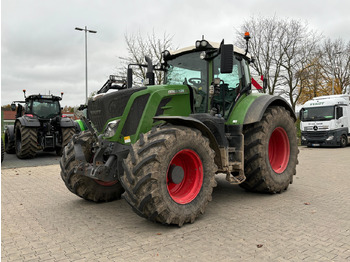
<point>185,176</point>
<point>176,174</point>
<point>279,150</point>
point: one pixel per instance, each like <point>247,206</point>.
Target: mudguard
<point>195,123</point>
<point>28,121</point>
<point>67,122</point>
<point>250,109</point>
<point>79,125</point>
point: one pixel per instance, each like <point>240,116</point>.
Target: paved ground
<point>42,221</point>
<point>41,159</point>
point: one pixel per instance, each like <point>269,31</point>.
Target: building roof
<point>9,115</point>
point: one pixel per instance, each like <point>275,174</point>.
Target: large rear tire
<point>85,187</point>
<point>67,133</point>
<point>169,175</point>
<point>26,141</point>
<point>343,141</point>
<point>270,152</point>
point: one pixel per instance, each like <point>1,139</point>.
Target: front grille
<point>134,116</point>
<point>109,106</point>
<point>316,136</point>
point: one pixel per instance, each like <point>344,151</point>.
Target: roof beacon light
<point>246,37</point>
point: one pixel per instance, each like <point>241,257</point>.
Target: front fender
<point>194,123</point>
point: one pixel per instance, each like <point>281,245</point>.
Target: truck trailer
<point>325,121</point>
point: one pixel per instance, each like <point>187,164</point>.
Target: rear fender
<point>67,122</point>
<point>28,121</point>
<point>250,109</point>
<point>194,123</point>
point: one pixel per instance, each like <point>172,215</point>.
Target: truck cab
<point>325,121</point>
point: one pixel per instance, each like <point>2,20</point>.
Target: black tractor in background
<point>39,125</point>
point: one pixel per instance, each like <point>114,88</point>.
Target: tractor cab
<point>217,74</point>
<point>43,106</point>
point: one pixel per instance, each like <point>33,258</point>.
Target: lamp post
<point>86,71</point>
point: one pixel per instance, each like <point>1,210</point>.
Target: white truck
<point>325,121</point>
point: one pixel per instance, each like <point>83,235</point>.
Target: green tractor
<point>162,145</point>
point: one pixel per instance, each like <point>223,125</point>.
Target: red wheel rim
<point>279,150</point>
<point>187,189</point>
<point>102,183</point>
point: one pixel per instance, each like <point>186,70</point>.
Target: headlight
<point>330,138</point>
<point>303,138</point>
<point>166,53</point>
<point>202,55</point>
<point>111,128</point>
<point>204,43</point>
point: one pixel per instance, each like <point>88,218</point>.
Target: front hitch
<point>105,163</point>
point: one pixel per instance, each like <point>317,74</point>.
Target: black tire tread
<point>67,134</point>
<point>29,141</point>
<point>9,144</point>
<point>142,176</point>
<point>83,186</point>
<point>259,175</point>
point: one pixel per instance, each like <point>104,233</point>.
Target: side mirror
<point>226,59</point>
<point>339,112</point>
<point>13,107</point>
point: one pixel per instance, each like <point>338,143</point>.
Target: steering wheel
<point>195,81</point>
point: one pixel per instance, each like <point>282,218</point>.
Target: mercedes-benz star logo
<point>315,128</point>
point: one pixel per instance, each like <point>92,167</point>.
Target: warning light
<point>246,36</point>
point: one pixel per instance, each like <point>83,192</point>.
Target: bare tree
<point>266,34</point>
<point>300,46</point>
<point>138,47</point>
<point>282,48</point>
<point>337,63</point>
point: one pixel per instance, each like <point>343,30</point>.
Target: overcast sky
<point>41,52</point>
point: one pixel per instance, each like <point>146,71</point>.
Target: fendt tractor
<point>39,125</point>
<point>161,145</point>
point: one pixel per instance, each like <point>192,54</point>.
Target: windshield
<point>231,84</point>
<point>189,69</point>
<point>45,108</point>
<point>317,113</point>
<point>233,80</point>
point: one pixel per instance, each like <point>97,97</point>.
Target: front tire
<point>26,141</point>
<point>169,175</point>
<point>83,186</point>
<point>343,141</point>
<point>271,151</point>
